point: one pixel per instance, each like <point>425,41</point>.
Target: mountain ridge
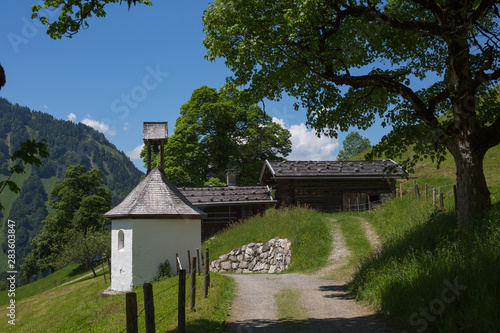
<point>68,143</point>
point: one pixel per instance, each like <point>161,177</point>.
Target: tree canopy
<point>85,248</point>
<point>219,130</point>
<point>79,203</point>
<point>427,68</point>
<point>353,144</point>
<point>2,77</point>
<point>74,14</point>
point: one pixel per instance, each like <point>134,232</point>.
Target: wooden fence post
<point>434,197</point>
<point>131,312</point>
<point>177,262</point>
<point>207,274</point>
<point>190,269</point>
<point>417,192</point>
<point>401,190</point>
<point>109,267</point>
<point>181,302</point>
<point>198,260</point>
<point>149,308</point>
<point>441,203</point>
<point>102,265</point>
<point>193,284</point>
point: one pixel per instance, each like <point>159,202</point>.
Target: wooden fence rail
<point>437,195</point>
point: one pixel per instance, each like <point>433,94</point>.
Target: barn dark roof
<point>155,197</point>
<point>154,131</point>
<point>227,195</point>
<point>329,169</point>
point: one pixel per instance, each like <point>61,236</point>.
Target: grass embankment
<point>428,276</point>
<point>78,307</point>
<point>305,227</point>
<point>55,279</point>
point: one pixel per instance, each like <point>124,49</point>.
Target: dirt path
<point>81,277</point>
<point>330,308</point>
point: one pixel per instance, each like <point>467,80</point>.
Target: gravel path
<point>330,308</point>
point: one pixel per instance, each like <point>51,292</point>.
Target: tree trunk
<point>473,197</point>
<point>89,264</point>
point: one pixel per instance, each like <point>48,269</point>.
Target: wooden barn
<point>226,204</point>
<point>331,186</point>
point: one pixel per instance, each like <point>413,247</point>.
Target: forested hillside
<point>68,144</point>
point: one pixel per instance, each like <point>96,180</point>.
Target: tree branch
<point>482,77</point>
<point>491,134</point>
<point>431,28</point>
<point>379,81</point>
<point>480,11</point>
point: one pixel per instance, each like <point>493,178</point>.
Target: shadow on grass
<point>203,325</point>
<point>78,270</point>
<point>434,278</point>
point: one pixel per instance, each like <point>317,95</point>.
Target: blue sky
<point>127,68</point>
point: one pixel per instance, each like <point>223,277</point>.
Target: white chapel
<point>153,223</point>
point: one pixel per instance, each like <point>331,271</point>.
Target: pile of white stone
<point>272,256</point>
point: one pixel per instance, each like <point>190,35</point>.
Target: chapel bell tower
<point>155,136</point>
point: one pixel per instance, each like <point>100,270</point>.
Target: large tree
<point>353,144</point>
<point>219,130</point>
<point>78,205</point>
<point>85,248</point>
<point>427,68</point>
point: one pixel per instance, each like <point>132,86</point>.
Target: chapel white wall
<point>121,260</point>
<point>156,240</point>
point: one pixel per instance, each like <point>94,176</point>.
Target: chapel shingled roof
<point>227,195</point>
<point>155,197</point>
<point>331,169</point>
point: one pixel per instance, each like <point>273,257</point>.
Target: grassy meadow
<point>79,307</point>
<point>428,276</point>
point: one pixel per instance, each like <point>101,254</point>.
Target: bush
<point>163,271</point>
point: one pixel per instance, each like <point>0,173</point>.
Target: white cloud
<point>101,127</point>
<point>306,146</point>
<point>134,154</point>
<point>72,117</point>
<point>125,126</point>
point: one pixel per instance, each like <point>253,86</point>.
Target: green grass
<point>78,307</point>
<point>305,227</point>
<point>290,311</point>
<point>355,236</point>
<point>422,255</point>
<point>288,303</point>
<point>55,279</point>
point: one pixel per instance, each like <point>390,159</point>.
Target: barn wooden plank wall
<point>331,194</point>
